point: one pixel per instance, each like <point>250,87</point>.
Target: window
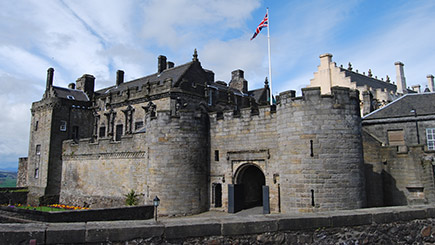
<point>38,149</point>
<point>62,126</point>
<point>396,137</point>
<point>75,133</point>
<point>70,97</point>
<point>118,135</point>
<point>36,125</point>
<point>102,132</point>
<point>210,97</point>
<point>138,125</point>
<point>36,173</point>
<point>216,155</point>
<point>430,136</point>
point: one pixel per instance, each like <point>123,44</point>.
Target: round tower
<point>178,161</point>
<point>321,151</point>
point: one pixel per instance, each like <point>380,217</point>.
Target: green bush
<point>131,198</point>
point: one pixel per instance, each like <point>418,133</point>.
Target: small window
<point>119,132</point>
<point>36,125</point>
<point>38,150</point>
<point>138,125</point>
<point>430,136</point>
<point>62,125</point>
<point>36,173</point>
<point>102,132</point>
<point>210,97</point>
<point>396,137</point>
<point>75,132</point>
<point>70,97</point>
<point>216,155</point>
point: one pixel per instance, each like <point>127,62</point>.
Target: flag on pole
<point>262,24</point>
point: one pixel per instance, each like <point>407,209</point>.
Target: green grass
<point>8,179</point>
<point>41,208</point>
<point>8,182</point>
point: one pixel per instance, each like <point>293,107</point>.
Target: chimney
<point>50,75</point>
<point>400,78</point>
<point>430,82</point>
<point>161,63</point>
<point>72,86</point>
<point>416,88</point>
<point>170,64</point>
<point>238,81</point>
<point>86,83</point>
<point>119,77</point>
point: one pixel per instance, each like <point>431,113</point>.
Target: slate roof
<point>71,94</point>
<point>424,104</point>
<point>174,73</point>
<point>362,80</point>
<point>260,95</point>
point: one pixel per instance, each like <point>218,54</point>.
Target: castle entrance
<point>251,179</point>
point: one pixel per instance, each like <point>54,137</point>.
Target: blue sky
<point>101,36</point>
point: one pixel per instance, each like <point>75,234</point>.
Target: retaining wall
<point>106,214</point>
<point>366,226</point>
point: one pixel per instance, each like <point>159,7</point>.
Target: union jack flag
<point>262,24</point>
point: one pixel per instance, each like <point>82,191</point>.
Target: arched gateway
<point>248,188</point>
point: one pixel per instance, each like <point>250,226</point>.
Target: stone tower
<point>320,149</point>
<point>55,118</point>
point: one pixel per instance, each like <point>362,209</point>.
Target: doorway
<point>252,179</point>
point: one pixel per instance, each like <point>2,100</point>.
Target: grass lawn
<point>41,208</point>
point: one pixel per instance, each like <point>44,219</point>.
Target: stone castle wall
<point>320,149</point>
<point>168,160</point>
<point>310,150</point>
<point>244,138</point>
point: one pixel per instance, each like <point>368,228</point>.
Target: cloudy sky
<point>101,36</point>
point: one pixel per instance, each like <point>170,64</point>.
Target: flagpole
<point>268,51</point>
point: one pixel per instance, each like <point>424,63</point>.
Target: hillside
<point>8,179</point>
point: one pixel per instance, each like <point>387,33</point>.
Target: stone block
<point>98,232</point>
<point>411,214</point>
<point>430,212</point>
<point>302,223</point>
<point>66,233</point>
<point>22,233</point>
<point>340,220</point>
<point>177,231</point>
<point>249,227</point>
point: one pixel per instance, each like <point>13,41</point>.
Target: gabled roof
<point>174,73</point>
<point>71,94</point>
<point>423,104</point>
<point>362,80</point>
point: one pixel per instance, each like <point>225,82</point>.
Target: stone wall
<point>309,150</point>
<point>320,148</point>
<point>398,174</point>
<point>398,225</point>
<point>167,159</point>
<point>22,172</point>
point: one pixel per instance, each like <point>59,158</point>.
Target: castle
<point>200,144</point>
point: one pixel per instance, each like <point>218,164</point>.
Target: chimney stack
<point>416,88</point>
<point>430,83</point>
<point>170,64</point>
<point>86,84</point>
<point>50,76</point>
<point>238,81</point>
<point>400,78</point>
<point>119,77</point>
<point>161,63</point>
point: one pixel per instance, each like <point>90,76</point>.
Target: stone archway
<point>252,179</point>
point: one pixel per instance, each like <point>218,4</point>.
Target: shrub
<point>131,198</point>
